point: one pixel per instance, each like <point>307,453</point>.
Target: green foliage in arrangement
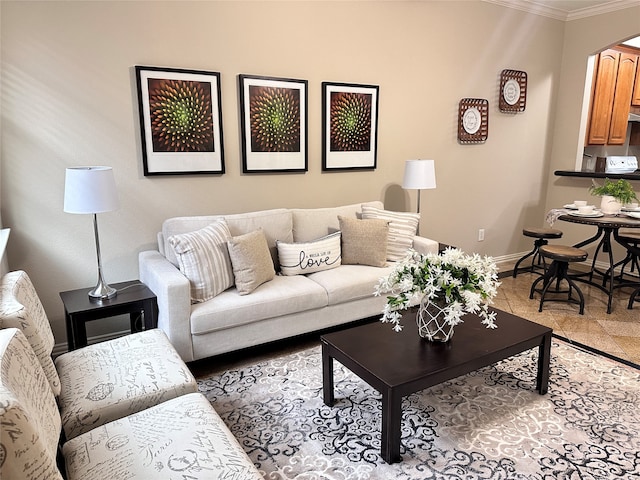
<point>620,190</point>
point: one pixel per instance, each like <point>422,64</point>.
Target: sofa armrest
<point>425,245</point>
<point>174,301</point>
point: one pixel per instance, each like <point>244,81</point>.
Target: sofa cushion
<point>109,380</point>
<point>349,282</point>
<point>281,296</point>
<point>251,260</point>
<point>276,224</point>
<point>308,257</point>
<point>181,438</point>
<point>204,259</point>
<point>364,242</point>
<point>180,225</point>
<point>312,223</point>
<point>402,228</point>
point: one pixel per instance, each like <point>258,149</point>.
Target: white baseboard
<point>514,257</point>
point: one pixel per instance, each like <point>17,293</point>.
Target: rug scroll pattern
<point>490,424</point>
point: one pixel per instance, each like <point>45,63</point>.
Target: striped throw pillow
<point>402,228</point>
<point>203,258</point>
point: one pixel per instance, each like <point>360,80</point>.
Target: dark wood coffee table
<point>399,364</point>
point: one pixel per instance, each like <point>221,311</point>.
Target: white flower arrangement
<point>468,284</point>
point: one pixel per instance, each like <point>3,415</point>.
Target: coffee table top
<point>400,359</point>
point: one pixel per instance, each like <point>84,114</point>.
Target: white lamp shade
<point>419,175</point>
<point>90,190</point>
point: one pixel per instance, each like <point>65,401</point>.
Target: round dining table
<point>607,226</point>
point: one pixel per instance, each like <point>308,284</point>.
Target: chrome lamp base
<point>102,291</point>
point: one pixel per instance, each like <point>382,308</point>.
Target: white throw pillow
<point>402,228</point>
<point>308,257</point>
<point>203,258</point>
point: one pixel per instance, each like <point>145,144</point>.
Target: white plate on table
<point>571,206</point>
<point>633,214</point>
<point>628,209</point>
<point>588,215</point>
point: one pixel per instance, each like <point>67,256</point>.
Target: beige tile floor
<point>617,333</point>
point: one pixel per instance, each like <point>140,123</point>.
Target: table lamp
<point>419,175</point>
<point>92,190</point>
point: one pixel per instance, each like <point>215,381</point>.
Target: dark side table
<point>133,298</point>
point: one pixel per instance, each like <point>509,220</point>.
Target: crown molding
<point>545,10</point>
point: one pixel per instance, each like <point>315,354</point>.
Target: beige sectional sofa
<point>249,300</point>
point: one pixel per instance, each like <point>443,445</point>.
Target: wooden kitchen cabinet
<point>613,86</point>
<point>635,98</point>
<point>622,99</point>
<point>602,93</point>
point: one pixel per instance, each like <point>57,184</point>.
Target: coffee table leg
<point>544,358</point>
<point>391,419</point>
<point>327,376</point>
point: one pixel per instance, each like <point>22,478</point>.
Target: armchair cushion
<point>20,307</point>
<point>29,418</point>
<point>110,380</point>
<point>181,438</point>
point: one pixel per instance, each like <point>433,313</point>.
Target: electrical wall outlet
<point>481,235</point>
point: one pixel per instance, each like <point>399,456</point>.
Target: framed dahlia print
<point>273,118</point>
<point>349,126</point>
<point>180,121</point>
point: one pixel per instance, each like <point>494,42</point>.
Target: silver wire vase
<point>431,321</point>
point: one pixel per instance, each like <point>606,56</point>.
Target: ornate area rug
<point>490,424</point>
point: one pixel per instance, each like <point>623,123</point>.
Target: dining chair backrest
<point>20,307</point>
<point>30,423</point>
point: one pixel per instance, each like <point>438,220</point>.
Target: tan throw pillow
<point>402,228</point>
<point>204,259</point>
<point>251,260</point>
<point>308,257</point>
<point>364,242</point>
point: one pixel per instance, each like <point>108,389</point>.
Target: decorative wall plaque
<point>473,120</point>
<point>513,91</point>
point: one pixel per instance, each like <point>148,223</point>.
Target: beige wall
<point>68,98</point>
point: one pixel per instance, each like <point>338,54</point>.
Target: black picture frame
<point>188,104</point>
<point>349,126</point>
<point>273,124</point>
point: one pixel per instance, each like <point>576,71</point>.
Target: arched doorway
<point>611,112</point>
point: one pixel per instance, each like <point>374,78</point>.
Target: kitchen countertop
<point>571,173</point>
